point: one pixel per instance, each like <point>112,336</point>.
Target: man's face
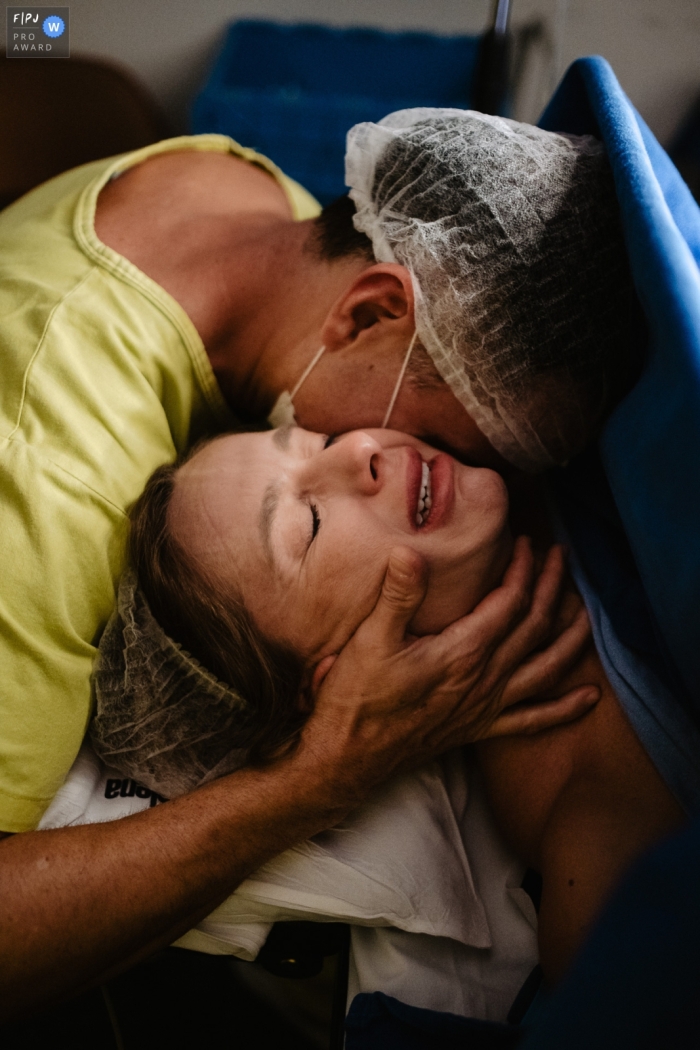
<point>350,393</point>
<point>434,415</point>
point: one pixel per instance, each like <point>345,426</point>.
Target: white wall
<point>653,45</point>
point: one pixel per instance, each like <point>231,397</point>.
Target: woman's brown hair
<point>216,629</point>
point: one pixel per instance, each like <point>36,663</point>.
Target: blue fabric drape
<point>650,448</point>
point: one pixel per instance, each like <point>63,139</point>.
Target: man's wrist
<point>287,801</point>
<point>321,783</point>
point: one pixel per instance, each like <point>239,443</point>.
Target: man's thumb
<point>403,591</point>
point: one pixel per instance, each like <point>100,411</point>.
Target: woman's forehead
<point>216,491</point>
<point>248,459</point>
<point>227,453</point>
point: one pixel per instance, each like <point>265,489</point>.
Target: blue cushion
<point>293,91</point>
<point>650,448</point>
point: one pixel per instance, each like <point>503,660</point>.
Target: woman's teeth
<point>424,497</point>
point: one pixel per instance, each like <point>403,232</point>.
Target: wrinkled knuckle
<point>470,661</point>
<point>522,602</point>
<point>475,646</point>
<point>468,652</point>
<point>396,597</point>
<point>540,621</point>
<point>541,615</point>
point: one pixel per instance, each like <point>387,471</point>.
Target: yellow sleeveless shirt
<point>103,377</point>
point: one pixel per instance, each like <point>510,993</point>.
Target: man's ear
<point>380,295</point>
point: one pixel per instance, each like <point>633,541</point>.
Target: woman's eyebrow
<point>267,513</point>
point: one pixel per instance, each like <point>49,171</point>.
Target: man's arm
<point>77,904</point>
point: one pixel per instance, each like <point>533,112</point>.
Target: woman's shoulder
<point>613,806</point>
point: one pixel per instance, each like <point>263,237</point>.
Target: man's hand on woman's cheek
<point>391,700</point>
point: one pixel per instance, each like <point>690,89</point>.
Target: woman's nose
<point>353,461</point>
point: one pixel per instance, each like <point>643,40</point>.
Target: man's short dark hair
<point>335,236</point>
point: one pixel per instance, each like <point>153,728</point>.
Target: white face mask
<point>282,413</point>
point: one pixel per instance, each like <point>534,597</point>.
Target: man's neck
<point>266,310</point>
<point>218,235</point>
<point>278,293</point>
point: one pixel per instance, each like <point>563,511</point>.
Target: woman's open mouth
<point>424,496</point>
<point>430,489</point>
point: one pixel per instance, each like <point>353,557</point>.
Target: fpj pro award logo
<point>38,32</point>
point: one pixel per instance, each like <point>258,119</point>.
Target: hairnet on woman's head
<point>513,241</point>
<point>161,718</point>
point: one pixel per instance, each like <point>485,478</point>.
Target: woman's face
<point>302,527</point>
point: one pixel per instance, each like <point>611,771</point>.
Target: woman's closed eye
<point>316,522</point>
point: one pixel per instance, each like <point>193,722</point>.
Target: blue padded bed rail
<point>650,447</point>
<point>630,509</point>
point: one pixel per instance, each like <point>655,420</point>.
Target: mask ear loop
<point>307,371</point>
<point>399,381</point>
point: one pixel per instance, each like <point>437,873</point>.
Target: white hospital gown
<point>419,871</point>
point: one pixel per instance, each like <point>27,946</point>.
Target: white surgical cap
<point>513,242</point>
<point>161,717</point>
